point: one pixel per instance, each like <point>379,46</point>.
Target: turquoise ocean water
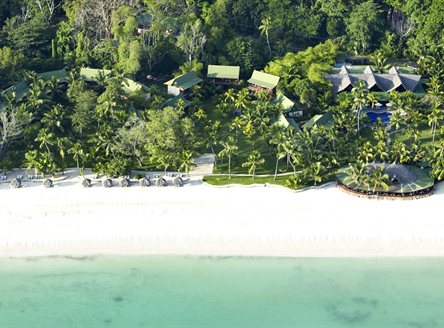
<point>221,292</point>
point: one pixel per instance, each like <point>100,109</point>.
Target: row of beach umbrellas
<point>108,183</point>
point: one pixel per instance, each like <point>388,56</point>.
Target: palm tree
<point>379,60</point>
<point>379,179</point>
<point>264,28</point>
<point>399,152</point>
<point>253,161</point>
<point>46,139</point>
<point>229,96</point>
<point>372,99</point>
<point>186,161</point>
<point>241,100</point>
<point>33,161</point>
<point>278,140</point>
<point>396,120</point>
<point>54,118</point>
<point>359,99</point>
<point>356,172</point>
<point>434,118</point>
<point>366,153</point>
<point>77,153</point>
<point>229,149</point>
<point>315,171</point>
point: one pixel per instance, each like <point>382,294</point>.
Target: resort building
<point>288,106</point>
<point>93,75</point>
<point>172,102</point>
<point>286,122</point>
<point>219,74</point>
<point>392,81</point>
<point>129,87</point>
<point>320,120</point>
<point>263,82</point>
<point>182,84</point>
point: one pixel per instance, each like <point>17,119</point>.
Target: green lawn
<point>224,180</point>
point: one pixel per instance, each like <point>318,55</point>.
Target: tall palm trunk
<point>229,167</point>
<point>269,47</point>
<point>276,168</point>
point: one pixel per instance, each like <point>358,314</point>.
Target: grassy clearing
<point>224,180</point>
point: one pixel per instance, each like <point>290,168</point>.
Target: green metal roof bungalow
<point>93,74</point>
<point>172,102</point>
<point>219,74</point>
<point>60,75</point>
<point>181,84</point>
<point>318,120</point>
<point>263,82</point>
<point>286,122</point>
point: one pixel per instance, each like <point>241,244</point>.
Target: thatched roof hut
<point>124,182</point>
<point>161,182</point>
<point>16,183</point>
<point>178,182</point>
<point>47,183</point>
<point>86,183</point>
<point>145,182</point>
<point>107,183</point>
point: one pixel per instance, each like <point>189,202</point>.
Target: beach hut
<point>220,74</point>
<point>107,183</point>
<point>178,182</point>
<point>263,82</point>
<point>318,120</point>
<point>182,84</point>
<point>47,183</point>
<point>145,182</point>
<point>124,182</point>
<point>86,183</point>
<point>16,183</point>
<point>161,182</point>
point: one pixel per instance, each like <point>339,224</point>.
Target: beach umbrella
<point>16,183</point>
<point>378,105</point>
<point>389,105</point>
<point>47,183</point>
<point>124,182</point>
<point>178,182</point>
<point>145,182</point>
<point>86,183</point>
<point>161,182</point>
<point>107,183</point>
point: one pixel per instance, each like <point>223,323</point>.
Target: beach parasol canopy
<point>16,183</point>
<point>107,183</point>
<point>124,182</point>
<point>86,183</point>
<point>161,182</point>
<point>178,182</point>
<point>145,182</point>
<point>47,183</point>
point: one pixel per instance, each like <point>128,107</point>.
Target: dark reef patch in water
<point>118,299</point>
<point>425,324</point>
<point>356,310</point>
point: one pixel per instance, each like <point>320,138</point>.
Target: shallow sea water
<point>221,292</point>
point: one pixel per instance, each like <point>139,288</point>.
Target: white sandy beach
<point>197,219</point>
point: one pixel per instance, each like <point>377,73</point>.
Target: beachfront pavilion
<point>226,75</point>
<point>263,82</point>
<point>182,84</point>
<point>392,81</point>
<point>286,122</point>
<point>403,181</point>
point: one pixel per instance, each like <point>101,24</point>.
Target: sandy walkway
<point>202,220</point>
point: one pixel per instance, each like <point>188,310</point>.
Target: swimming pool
<point>384,116</point>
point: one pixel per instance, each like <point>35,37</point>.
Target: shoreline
<point>201,220</point>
